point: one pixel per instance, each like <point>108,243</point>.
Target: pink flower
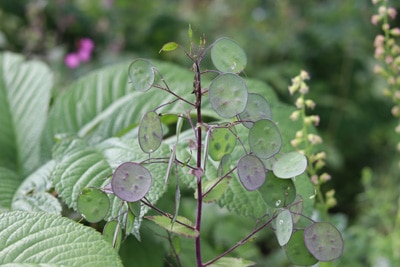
<point>379,40</point>
<point>375,19</point>
<point>375,2</point>
<point>71,60</point>
<point>392,12</point>
<point>86,44</point>
<point>379,52</point>
<point>395,32</point>
<point>84,53</point>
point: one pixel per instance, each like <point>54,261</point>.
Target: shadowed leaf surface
<point>42,238</point>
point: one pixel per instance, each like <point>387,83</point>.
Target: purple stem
<point>197,90</point>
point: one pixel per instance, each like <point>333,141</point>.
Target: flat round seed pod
<point>324,241</point>
<point>251,172</point>
<point>141,74</point>
<point>221,142</point>
<point>131,181</point>
<point>257,108</point>
<point>265,139</point>
<point>228,56</point>
<point>228,95</point>
<point>93,204</point>
<point>277,192</point>
<point>150,132</point>
<point>283,227</point>
<point>290,165</point>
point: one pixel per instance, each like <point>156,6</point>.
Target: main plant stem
<point>199,172</point>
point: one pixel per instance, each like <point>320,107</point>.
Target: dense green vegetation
<point>332,40</point>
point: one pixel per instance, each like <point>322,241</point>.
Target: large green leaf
<point>34,192</point>
<point>9,183</point>
<point>24,100</point>
<point>78,165</point>
<point>103,104</point>
<point>42,239</point>
<point>29,265</point>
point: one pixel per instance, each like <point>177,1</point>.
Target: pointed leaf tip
<point>182,226</point>
<point>190,32</point>
<point>170,46</point>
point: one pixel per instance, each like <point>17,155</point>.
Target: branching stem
<point>197,91</point>
<point>241,242</point>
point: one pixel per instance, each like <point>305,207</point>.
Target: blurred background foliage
<point>332,40</point>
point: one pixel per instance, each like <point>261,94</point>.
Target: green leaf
<point>182,226</point>
<point>297,251</point>
<point>78,166</point>
<point>216,190</point>
<point>134,207</point>
<point>24,101</point>
<point>190,32</point>
<point>103,104</point>
<point>34,194</point>
<point>9,181</point>
<point>113,234</point>
<point>306,189</point>
<point>228,56</point>
<point>170,46</point>
<point>29,265</point>
<point>242,201</point>
<point>129,222</point>
<point>42,238</point>
<point>290,165</point>
<point>41,201</point>
<point>232,262</point>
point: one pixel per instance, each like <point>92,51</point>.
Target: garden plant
<point>122,138</point>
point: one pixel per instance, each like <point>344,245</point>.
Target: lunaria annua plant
<point>242,141</point>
